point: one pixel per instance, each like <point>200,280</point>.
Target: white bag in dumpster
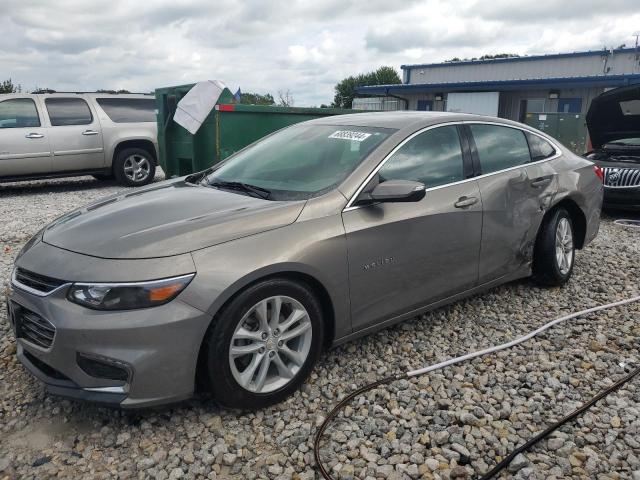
<point>194,107</point>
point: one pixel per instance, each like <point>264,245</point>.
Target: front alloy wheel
<point>263,344</point>
<point>270,344</point>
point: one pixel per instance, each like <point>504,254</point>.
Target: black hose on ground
<point>343,403</point>
<point>501,465</point>
<point>576,413</point>
<point>415,373</point>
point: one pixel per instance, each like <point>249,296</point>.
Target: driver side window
<point>433,158</point>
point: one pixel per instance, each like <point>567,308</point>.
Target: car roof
<point>70,94</point>
<point>403,119</point>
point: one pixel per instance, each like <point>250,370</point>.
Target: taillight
<point>599,172</point>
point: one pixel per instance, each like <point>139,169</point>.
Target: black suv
<point>613,121</point>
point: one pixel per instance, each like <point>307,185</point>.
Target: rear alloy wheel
<point>134,167</point>
<point>564,246</point>
<point>263,345</point>
<point>554,253</point>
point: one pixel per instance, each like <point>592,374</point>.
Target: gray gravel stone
<point>555,443</point>
<point>520,461</point>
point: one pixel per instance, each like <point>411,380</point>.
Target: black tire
<point>547,270</point>
<point>103,176</point>
<point>120,165</point>
<point>215,368</point>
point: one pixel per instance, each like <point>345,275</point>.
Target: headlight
<point>128,296</point>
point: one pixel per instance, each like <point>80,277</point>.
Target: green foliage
<point>112,91</point>
<point>483,57</point>
<point>7,86</point>
<point>256,99</point>
<point>346,88</point>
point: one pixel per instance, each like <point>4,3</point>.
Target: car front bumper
<point>157,348</point>
<point>622,197</point>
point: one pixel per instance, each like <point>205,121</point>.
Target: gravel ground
<point>455,423</point>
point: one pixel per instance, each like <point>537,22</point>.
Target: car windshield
<point>300,162</point>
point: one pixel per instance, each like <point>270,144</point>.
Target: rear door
<point>515,195</point>
<point>404,256</point>
<point>76,138</point>
<point>24,141</point>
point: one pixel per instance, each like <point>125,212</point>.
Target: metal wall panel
<point>581,66</point>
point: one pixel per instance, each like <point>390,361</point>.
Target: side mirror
<point>398,191</point>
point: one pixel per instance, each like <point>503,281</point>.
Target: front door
<point>76,137</point>
<point>406,255</point>
<point>24,143</point>
<point>513,193</point>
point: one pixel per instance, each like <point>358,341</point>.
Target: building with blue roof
<point>551,92</point>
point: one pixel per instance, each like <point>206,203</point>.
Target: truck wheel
<point>134,167</point>
<point>554,253</point>
<point>263,345</point>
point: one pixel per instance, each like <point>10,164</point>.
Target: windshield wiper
<point>244,187</point>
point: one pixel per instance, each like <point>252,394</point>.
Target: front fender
<point>314,248</point>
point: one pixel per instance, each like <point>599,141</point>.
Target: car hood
<point>614,115</point>
<point>167,219</point>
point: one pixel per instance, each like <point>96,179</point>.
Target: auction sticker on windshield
<point>348,135</point>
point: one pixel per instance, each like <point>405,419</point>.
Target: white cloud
<point>272,45</point>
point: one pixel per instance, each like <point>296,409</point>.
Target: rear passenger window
<point>129,110</point>
<point>539,147</point>
<point>18,113</point>
<point>499,147</point>
<point>68,111</point>
<point>433,158</point>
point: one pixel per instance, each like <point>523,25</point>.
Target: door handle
<point>33,135</point>
<point>540,182</point>
<point>465,202</point>
<point>90,132</point>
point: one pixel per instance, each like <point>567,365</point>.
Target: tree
<point>346,88</point>
<point>112,91</point>
<point>285,99</point>
<point>483,57</point>
<point>256,99</point>
<point>7,86</point>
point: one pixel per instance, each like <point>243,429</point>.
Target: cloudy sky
<point>271,45</point>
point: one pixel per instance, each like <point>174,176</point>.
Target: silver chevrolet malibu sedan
<point>234,279</point>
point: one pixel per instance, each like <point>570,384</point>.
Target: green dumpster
<point>228,128</point>
<point>568,128</point>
